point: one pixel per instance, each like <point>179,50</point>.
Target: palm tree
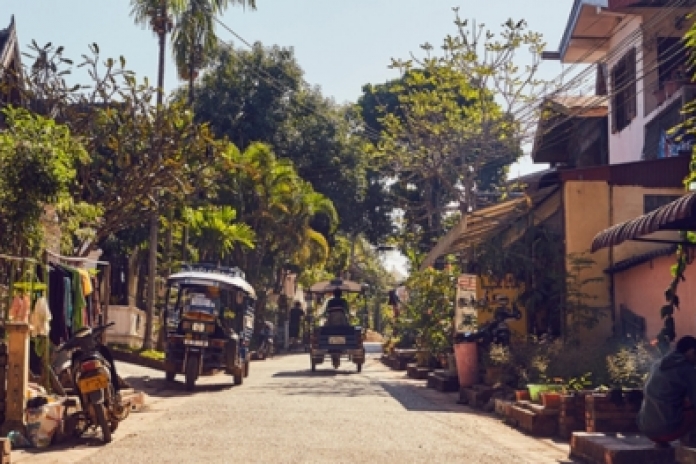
<point>215,232</point>
<point>194,39</point>
<point>156,14</point>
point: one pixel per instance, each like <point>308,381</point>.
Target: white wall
<point>627,145</point>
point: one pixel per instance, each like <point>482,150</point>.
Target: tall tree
<point>455,121</point>
<point>260,95</point>
<point>195,41</point>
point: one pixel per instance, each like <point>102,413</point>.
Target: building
<point>613,161</point>
<point>10,66</point>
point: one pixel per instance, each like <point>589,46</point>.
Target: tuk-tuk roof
<point>200,278</point>
<point>329,286</point>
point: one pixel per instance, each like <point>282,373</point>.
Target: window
<point>652,202</point>
<point>623,87</point>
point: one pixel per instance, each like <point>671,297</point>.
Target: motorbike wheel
<point>314,366</point>
<point>359,367</point>
<point>100,413</point>
<point>114,425</point>
<point>192,368</point>
<point>169,376</point>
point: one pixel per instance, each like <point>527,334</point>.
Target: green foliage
<point>38,160</point>
<point>215,233</point>
<point>430,307</point>
<point>137,151</point>
<point>630,365</point>
<point>261,96</point>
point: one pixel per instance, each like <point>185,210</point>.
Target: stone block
<point>416,372</point>
<point>443,381</point>
<point>685,455</point>
<point>599,448</point>
<point>538,425</point>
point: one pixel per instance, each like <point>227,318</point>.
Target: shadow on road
<point>160,387</point>
<point>318,373</point>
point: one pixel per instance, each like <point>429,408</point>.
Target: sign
<point>465,304</point>
<point>492,293</point>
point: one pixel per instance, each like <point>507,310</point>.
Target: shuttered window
<point>623,91</point>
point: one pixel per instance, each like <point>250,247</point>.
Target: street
<point>285,414</point>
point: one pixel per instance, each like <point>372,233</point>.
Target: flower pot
<point>536,389</point>
<point>522,395</point>
<point>551,400</point>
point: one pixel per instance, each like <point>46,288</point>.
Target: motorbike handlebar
<point>95,331</point>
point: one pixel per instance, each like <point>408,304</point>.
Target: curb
<point>133,358</point>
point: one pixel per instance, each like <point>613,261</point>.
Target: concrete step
<point>601,448</point>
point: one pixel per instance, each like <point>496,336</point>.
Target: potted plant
<point>660,94</point>
<point>494,361</point>
<point>676,81</point>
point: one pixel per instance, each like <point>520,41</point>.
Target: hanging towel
<point>16,309</point>
<point>40,318</point>
<point>86,282</point>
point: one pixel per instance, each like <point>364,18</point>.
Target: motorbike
<point>81,359</point>
<point>496,331</point>
<point>267,347</point>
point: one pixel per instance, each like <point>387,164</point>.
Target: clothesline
<point>17,258</point>
<point>77,259</point>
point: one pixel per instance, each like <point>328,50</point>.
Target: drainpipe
<point>612,287</point>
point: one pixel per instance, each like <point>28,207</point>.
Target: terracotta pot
<point>521,395</point>
<point>551,400</point>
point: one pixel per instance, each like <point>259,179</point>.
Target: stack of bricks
<point>3,380</point>
<point>571,417</point>
<point>605,416</point>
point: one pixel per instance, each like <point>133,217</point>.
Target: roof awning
<point>678,215</point>
<point>560,115</point>
<point>480,225</point>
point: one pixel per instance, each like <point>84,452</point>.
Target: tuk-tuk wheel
<point>359,366</point>
<point>246,368</point>
<point>169,376</point>
<point>238,375</point>
<point>314,366</point>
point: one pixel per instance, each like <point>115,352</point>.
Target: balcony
<point>658,124</point>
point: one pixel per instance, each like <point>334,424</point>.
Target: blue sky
<point>341,45</point>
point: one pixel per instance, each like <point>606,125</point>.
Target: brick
<point>607,449</point>
<point>685,455</point>
<point>537,425</point>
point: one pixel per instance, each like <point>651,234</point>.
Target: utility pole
<point>154,214</point>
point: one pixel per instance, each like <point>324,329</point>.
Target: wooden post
<point>17,376</point>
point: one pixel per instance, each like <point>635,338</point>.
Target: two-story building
<point>613,160</point>
<point>635,165</point>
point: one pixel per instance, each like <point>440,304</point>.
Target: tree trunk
<point>132,278</point>
<point>151,280</point>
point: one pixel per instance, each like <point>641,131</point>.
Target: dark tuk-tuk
<point>336,337</point>
<point>209,318</point>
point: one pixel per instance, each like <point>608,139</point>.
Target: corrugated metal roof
<point>487,222</point>
<point>678,215</point>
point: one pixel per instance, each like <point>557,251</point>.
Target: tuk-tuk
<point>209,318</point>
<point>336,337</point>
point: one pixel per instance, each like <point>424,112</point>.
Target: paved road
<point>285,414</point>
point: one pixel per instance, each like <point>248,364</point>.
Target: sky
<point>340,44</point>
